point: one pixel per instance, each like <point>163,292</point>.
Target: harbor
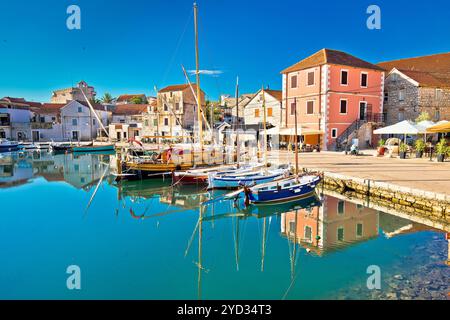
<point>149,240</point>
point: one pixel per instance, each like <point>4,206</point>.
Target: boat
<point>25,146</point>
<point>245,179</point>
<point>282,191</point>
<point>202,175</point>
<point>61,148</point>
<point>8,146</point>
<point>93,148</point>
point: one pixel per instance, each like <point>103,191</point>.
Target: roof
<point>130,109</point>
<point>277,94</point>
<point>127,97</point>
<point>429,71</point>
<point>177,87</point>
<point>329,56</point>
<point>49,108</point>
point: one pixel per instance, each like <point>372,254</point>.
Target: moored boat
<point>236,180</point>
<point>93,148</point>
<point>282,191</point>
<point>8,146</point>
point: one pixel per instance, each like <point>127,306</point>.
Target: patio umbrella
<point>443,127</point>
<point>405,127</point>
<point>423,126</point>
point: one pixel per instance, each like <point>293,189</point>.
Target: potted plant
<point>381,147</point>
<point>403,149</point>
<point>441,150</point>
<point>420,148</point>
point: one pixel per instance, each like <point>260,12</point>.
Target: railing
<point>41,125</point>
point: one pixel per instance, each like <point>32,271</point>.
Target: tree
<point>137,100</point>
<point>424,116</point>
<point>217,114</point>
<point>107,98</point>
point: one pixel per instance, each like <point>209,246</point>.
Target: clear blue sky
<point>131,46</point>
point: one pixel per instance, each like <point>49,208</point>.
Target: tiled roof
<point>49,108</point>
<point>277,94</point>
<point>130,109</point>
<point>428,71</point>
<point>178,87</point>
<point>329,56</point>
<point>127,97</point>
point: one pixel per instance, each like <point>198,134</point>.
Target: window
<point>177,106</point>
<point>293,107</point>
<point>308,233</point>
<point>53,119</point>
<point>146,123</point>
<point>344,77</point>
<point>76,168</point>
<point>269,112</point>
<point>401,95</point>
<point>401,116</point>
<point>394,77</point>
<point>364,79</point>
<point>309,107</point>
<point>341,207</point>
<point>166,121</point>
<point>359,230</point>
<point>256,113</point>
<point>124,134</point>
<point>438,94</point>
<point>334,133</point>
<point>42,119</point>
<point>292,226</point>
<point>155,122</point>
<point>80,110</point>
<point>386,97</point>
<point>166,108</point>
<point>310,81</point>
<point>340,234</point>
<point>437,115</point>
<point>74,122</point>
<point>94,122</point>
<point>343,107</point>
<point>294,82</point>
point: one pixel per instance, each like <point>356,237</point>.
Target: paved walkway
<point>413,173</point>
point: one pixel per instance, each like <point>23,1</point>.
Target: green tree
<point>137,100</point>
<point>424,116</point>
<point>107,98</point>
<point>217,114</point>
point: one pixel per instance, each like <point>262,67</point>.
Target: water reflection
<point>314,230</point>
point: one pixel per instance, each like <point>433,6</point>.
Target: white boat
<point>241,179</point>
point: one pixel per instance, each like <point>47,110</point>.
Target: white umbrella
<point>424,125</point>
<point>404,127</point>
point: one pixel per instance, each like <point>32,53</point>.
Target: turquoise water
<point>146,240</point>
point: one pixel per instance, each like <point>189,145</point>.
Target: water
<point>144,240</point>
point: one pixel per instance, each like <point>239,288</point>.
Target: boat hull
<point>91,149</point>
<point>281,195</point>
<point>187,178</point>
<point>139,171</point>
<point>237,182</point>
<point>9,148</point>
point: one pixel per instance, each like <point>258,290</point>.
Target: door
<point>75,135</point>
<point>119,136</point>
<point>35,136</point>
<point>362,110</point>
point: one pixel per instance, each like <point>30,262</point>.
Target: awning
<point>301,131</point>
<point>404,127</point>
<point>440,128</point>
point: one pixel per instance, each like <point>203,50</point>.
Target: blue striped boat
<point>285,190</point>
<point>233,181</point>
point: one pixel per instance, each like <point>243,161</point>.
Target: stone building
<point>417,85</point>
<point>74,93</point>
<point>175,113</point>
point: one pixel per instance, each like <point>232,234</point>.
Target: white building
<point>15,122</point>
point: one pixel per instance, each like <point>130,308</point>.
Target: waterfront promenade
<point>419,174</point>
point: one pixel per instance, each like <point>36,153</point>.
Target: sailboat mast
<point>265,126</point>
<point>238,147</point>
<point>197,73</point>
<point>296,136</point>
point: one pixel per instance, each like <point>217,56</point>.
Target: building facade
<point>330,93</point>
<point>74,93</point>
<point>417,85</point>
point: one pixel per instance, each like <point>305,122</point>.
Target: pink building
<point>338,97</point>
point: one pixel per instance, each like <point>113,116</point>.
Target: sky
<point>133,46</point>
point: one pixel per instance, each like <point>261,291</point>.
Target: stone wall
<point>431,205</point>
<point>395,109</point>
<point>436,102</point>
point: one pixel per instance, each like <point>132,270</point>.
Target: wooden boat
<point>8,146</point>
<point>282,191</point>
<point>61,148</point>
<point>234,181</point>
<point>93,148</point>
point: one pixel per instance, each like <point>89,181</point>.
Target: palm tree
<point>107,98</point>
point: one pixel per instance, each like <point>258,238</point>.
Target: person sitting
<point>354,150</point>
